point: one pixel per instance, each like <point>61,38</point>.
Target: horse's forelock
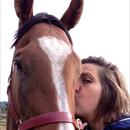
<point>40,18</point>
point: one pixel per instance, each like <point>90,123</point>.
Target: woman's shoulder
<point>121,124</point>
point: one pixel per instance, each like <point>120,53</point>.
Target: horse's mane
<point>40,18</point>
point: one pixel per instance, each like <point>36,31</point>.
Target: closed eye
<point>86,79</point>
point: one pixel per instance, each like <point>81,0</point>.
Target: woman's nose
<point>77,86</point>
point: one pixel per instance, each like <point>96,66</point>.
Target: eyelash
<point>86,79</point>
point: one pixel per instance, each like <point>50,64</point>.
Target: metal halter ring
<point>79,124</point>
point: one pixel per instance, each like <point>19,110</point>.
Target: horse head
<point>44,70</point>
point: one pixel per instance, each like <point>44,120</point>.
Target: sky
<point>103,30</point>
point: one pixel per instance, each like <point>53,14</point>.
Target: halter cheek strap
<point>11,105</point>
<point>12,108</point>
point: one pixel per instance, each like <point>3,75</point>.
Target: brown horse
<point>44,70</point>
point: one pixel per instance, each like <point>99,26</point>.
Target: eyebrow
<point>88,74</point>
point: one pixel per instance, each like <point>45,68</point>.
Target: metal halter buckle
<point>79,124</point>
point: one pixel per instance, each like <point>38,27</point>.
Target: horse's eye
<point>18,65</point>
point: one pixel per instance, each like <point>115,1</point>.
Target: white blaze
<point>57,51</point>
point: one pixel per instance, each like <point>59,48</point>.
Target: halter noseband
<point>43,119</point>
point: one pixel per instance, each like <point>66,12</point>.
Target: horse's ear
<point>24,10</point>
<point>72,14</point>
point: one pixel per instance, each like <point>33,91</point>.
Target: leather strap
<point>48,118</point>
<point>12,106</point>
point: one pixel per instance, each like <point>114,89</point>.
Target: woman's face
<point>88,92</point>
